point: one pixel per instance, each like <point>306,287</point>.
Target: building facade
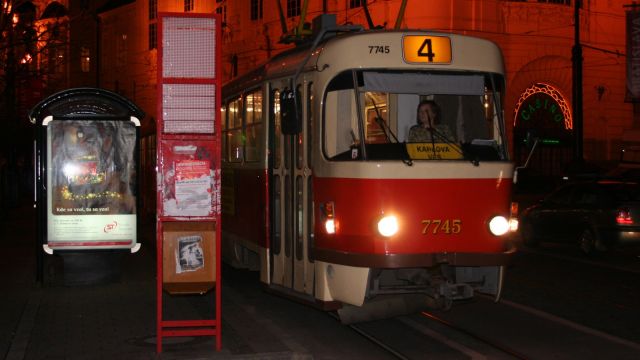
<point>536,36</point>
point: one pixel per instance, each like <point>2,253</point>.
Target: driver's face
<point>426,114</point>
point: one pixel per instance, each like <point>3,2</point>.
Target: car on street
<point>597,215</point>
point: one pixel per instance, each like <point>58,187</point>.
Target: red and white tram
<point>323,193</point>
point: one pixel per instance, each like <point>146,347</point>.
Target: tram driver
<point>429,126</point>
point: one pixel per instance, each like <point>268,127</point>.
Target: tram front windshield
<point>376,115</point>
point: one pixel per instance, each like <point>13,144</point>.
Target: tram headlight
<point>499,225</point>
<point>388,226</point>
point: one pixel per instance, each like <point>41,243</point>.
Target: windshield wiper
<point>380,121</point>
<point>440,136</point>
<point>388,133</point>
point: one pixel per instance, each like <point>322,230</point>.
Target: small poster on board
<point>189,254</point>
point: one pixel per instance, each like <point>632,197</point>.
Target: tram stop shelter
<point>86,142</point>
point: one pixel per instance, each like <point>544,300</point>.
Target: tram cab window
<point>383,109</point>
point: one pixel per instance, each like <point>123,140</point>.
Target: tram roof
<point>339,49</point>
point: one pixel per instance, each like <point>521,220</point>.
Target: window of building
<point>153,36</point>
<point>122,49</point>
<point>564,2</point>
<point>58,61</point>
<point>85,59</point>
<point>559,2</point>
<point>356,3</point>
<point>256,9</point>
<point>188,5</point>
<point>222,11</point>
<point>153,27</point>
<point>153,9</point>
<point>293,8</point>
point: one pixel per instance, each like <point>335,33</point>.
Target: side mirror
<point>290,114</point>
<point>533,147</point>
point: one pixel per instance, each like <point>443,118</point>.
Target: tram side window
<point>300,142</point>
<point>310,123</point>
<point>275,111</point>
<point>253,126</point>
<point>223,127</point>
<point>235,151</point>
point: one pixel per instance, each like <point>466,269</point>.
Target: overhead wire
<point>538,33</point>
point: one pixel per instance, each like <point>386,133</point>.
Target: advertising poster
<point>91,184</point>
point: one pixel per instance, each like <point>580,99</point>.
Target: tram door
<point>290,191</point>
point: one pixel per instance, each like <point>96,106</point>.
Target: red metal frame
<point>189,327</point>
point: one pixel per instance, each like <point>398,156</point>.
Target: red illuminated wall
<point>536,39</point>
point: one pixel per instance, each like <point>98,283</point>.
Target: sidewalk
<point>17,270</point>
<point>107,321</point>
<point>117,320</point>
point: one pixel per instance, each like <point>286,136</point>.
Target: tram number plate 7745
<point>441,226</point>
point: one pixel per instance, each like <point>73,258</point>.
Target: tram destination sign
<point>420,49</point>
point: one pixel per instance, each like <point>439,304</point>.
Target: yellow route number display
<point>426,49</point>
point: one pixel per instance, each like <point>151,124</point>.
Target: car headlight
<point>499,225</point>
<point>514,224</point>
<point>388,226</point>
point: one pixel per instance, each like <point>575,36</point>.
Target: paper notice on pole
<point>193,187</point>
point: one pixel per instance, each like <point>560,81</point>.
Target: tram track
<point>372,338</point>
<point>378,342</point>
<point>416,333</point>
<point>469,333</point>
<point>483,329</point>
<point>494,344</point>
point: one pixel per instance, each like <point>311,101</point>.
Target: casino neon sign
<point>543,102</point>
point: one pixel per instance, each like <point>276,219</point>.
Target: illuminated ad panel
<point>91,200</point>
